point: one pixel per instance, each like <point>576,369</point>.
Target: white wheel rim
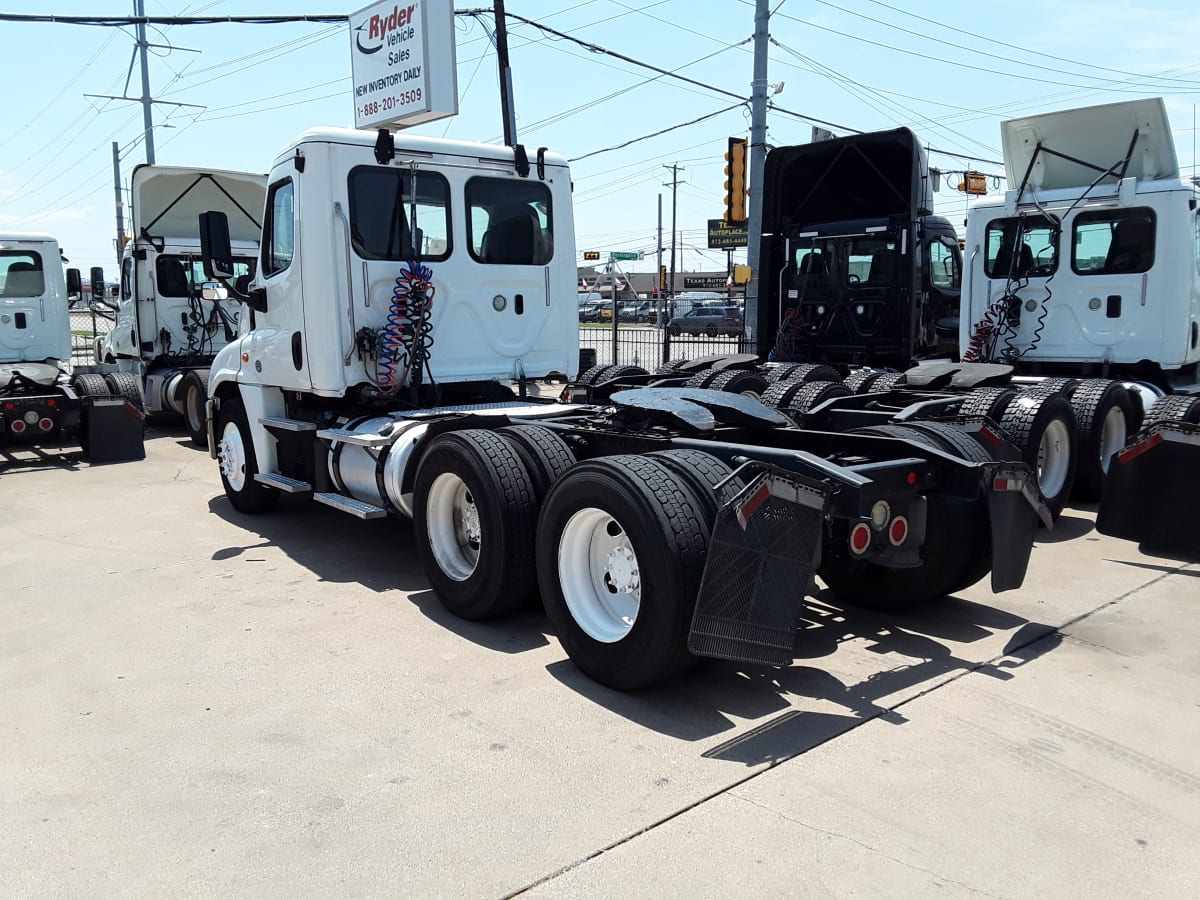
<point>1054,457</point>
<point>599,574</point>
<point>1112,436</point>
<point>195,421</point>
<point>452,522</point>
<point>231,456</point>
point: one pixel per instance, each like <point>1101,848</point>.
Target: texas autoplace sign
<point>403,63</point>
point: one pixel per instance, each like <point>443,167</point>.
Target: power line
<point>656,133</point>
<point>121,21</point>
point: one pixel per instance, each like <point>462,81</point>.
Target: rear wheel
<point>545,455</point>
<point>1105,419</point>
<point>1175,408</point>
<point>810,396</point>
<point>702,471</point>
<point>702,378</point>
<point>195,395</point>
<point>592,375</point>
<point>888,381</point>
<point>90,385</point>
<point>988,402</point>
<point>1043,428</point>
<point>860,381</point>
<point>474,518</point>
<point>739,381</point>
<point>126,386</point>
<point>621,544</point>
<point>237,462</point>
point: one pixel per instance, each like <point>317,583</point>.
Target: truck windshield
<point>183,276</point>
<point>380,205</point>
<point>1021,247</point>
<point>21,271</point>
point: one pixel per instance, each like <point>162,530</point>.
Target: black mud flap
<point>1014,509</point>
<point>1152,491</point>
<point>765,549</point>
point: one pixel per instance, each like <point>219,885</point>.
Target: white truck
<point>42,403</point>
<point>165,332</point>
<point>405,282</point>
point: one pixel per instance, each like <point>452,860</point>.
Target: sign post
<point>403,63</point>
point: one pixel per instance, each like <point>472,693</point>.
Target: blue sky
<point>950,72</point>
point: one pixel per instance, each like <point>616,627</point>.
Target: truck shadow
<point>18,459</point>
<point>718,696</point>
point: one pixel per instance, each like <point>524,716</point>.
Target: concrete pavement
<point>197,703</point>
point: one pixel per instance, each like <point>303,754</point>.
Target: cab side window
<point>279,239</point>
<point>127,278</point>
<point>509,222</point>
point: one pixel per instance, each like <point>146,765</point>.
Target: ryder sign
<point>403,63</point>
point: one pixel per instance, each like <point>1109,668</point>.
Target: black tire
<point>778,395</point>
<point>126,386</point>
<point>810,396</point>
<point>815,372</point>
<point>661,520</point>
<point>702,378</point>
<point>1175,408</point>
<point>780,372</point>
<point>955,440</point>
<point>739,381</point>
<point>546,456</point>
<point>249,496</point>
<point>989,402</point>
<point>493,480</point>
<point>90,385</point>
<point>1058,384</point>
<point>621,371</point>
<point>195,394</point>
<point>592,375</point>
<point>672,367</point>
<point>860,381</point>
<point>888,381</point>
<point>710,330</point>
<point>1026,420</point>
<point>702,472</point>
<point>1101,408</point>
<point>675,330</point>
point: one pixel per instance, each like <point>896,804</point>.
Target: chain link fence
<point>86,326</point>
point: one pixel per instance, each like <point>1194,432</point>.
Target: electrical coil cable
<point>408,335</point>
<point>996,323</point>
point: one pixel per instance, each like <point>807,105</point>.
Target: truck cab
<point>855,268</point>
<point>1090,264</point>
<point>35,323</point>
<point>165,331</point>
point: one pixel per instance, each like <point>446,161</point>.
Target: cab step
<point>285,424</point>
<point>345,436</point>
<point>350,505</point>
<point>283,483</point>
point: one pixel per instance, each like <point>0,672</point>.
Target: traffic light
<point>735,181</point>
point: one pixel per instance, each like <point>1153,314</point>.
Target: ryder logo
<point>383,29</point>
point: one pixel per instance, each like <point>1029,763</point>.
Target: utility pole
<point>139,10</point>
<point>661,306</point>
<point>758,157</point>
<point>141,52</point>
<point>671,282</point>
<point>507,111</point>
<point>120,202</point>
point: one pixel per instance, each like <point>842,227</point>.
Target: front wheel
<point>237,462</point>
<point>195,395</point>
<point>621,544</point>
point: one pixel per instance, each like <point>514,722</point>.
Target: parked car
<point>708,320</point>
<point>589,312</point>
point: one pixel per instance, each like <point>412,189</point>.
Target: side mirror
<point>99,291</point>
<point>214,290</point>
<point>215,249</point>
<point>74,283</point>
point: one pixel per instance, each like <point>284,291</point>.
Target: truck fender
<point>260,401</point>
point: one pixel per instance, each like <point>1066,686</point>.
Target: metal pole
<point>671,282</point>
<point>507,111</point>
<point>139,9</point>
<point>120,202</point>
<point>758,156</point>
<point>660,307</point>
<point>612,271</point>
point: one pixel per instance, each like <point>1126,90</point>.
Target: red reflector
<point>991,437</point>
<point>1141,447</point>
<point>750,507</point>
<point>912,477</point>
<point>860,538</point>
<point>17,426</point>
<point>898,533</point>
<point>10,406</point>
<point>46,423</point>
<point>51,403</point>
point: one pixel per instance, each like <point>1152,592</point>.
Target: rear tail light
<point>860,538</point>
<point>898,531</point>
<point>17,426</point>
<point>46,423</point>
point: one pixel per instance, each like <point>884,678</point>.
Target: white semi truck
<point>165,332</point>
<point>405,282</point>
<point>41,402</point>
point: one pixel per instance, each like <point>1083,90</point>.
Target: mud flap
<point>1014,509</point>
<point>1151,491</point>
<point>765,549</point>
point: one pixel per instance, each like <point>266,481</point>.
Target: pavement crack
<point>868,847</point>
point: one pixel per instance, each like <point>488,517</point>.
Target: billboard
<point>724,235</point>
<point>402,63</point>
